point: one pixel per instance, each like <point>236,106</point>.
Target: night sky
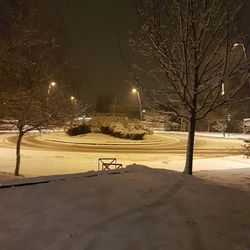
<point>94,27</point>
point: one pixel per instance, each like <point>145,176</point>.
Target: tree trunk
<point>18,155</point>
<point>190,145</point>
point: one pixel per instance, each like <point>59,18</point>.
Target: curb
<point>49,179</point>
<point>104,144</point>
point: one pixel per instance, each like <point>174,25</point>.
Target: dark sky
<point>95,27</point>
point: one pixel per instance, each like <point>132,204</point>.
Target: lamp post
<point>136,91</point>
<point>73,100</point>
<point>224,109</point>
<point>51,85</point>
<point>243,47</point>
<point>246,58</point>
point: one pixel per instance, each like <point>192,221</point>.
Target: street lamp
<point>136,91</point>
<point>224,109</point>
<point>243,47</point>
<point>223,89</point>
<point>51,85</point>
<point>246,58</point>
<point>73,100</point>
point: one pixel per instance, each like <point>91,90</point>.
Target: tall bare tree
<point>191,47</point>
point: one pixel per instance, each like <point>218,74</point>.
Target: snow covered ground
<point>138,208</point>
<point>130,209</point>
<point>36,162</point>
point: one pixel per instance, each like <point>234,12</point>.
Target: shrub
<point>246,149</point>
<point>116,126</point>
<point>78,129</point>
<point>95,125</point>
<point>120,127</point>
<point>128,131</point>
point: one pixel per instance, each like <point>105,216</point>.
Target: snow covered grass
<point>140,208</point>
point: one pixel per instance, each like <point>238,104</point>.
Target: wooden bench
<point>106,163</point>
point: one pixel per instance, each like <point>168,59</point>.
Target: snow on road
<point>37,162</point>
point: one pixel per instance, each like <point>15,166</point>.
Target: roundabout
<point>57,153</point>
<point>159,143</point>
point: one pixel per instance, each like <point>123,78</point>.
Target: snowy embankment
<point>136,208</point>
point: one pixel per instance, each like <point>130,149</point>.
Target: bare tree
<point>191,50</point>
<point>27,69</point>
<point>30,109</point>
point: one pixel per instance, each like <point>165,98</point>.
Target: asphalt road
<point>170,144</point>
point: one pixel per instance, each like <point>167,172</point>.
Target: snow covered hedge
<point>78,129</point>
<point>116,126</point>
<point>120,127</point>
<point>246,148</point>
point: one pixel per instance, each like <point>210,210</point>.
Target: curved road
<point>167,144</point>
<point>50,154</point>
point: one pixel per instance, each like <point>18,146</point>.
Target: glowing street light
<point>73,100</point>
<point>136,91</point>
<point>51,85</point>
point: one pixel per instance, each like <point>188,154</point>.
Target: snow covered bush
<point>246,148</point>
<point>129,131</point>
<point>119,127</point>
<point>78,129</point>
<point>95,125</point>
